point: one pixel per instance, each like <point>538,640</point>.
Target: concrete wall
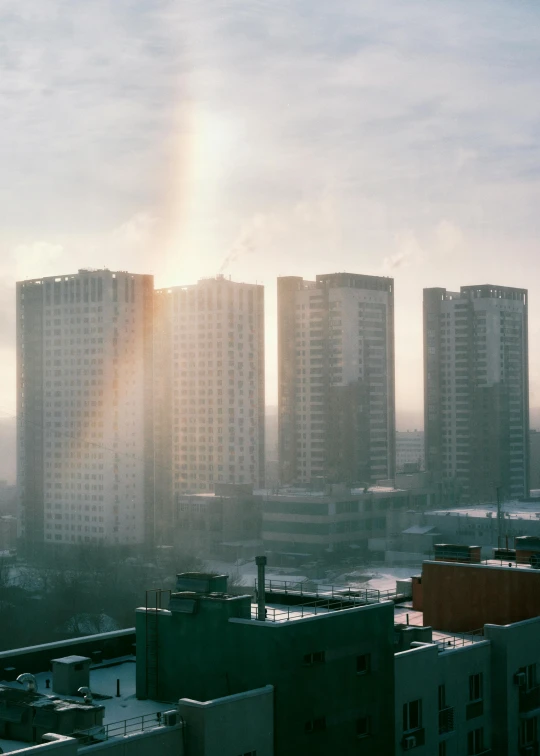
<point>232,725</point>
<point>513,646</point>
<point>453,671</point>
<point>463,597</point>
<point>210,654</point>
<point>165,741</point>
<point>416,679</point>
<point>419,673</point>
<point>62,746</point>
<point>38,658</point>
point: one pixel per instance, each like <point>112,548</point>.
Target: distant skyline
<point>270,139</point>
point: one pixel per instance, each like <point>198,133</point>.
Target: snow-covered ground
<point>381,578</point>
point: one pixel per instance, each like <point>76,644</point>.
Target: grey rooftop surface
<point>103,681</point>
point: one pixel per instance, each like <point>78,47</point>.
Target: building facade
<point>534,451</point>
<point>85,413</point>
<point>209,390</point>
<point>476,384</point>
<point>337,522</point>
<point>443,699</point>
<point>225,524</point>
<point>336,378</point>
<point>332,672</point>
<point>409,451</point>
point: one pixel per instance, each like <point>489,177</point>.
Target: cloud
<point>36,259</point>
<point>136,231</point>
<point>449,237</point>
<point>272,137</point>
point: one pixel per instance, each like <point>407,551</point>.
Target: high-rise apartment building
<point>409,450</point>
<point>476,384</point>
<point>336,378</point>
<point>85,414</point>
<point>209,389</point>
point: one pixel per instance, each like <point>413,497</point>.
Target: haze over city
<point>269,377</point>
<point>273,139</point>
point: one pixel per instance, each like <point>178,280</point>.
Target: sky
<point>273,137</point>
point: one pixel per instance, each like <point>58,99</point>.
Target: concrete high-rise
<point>85,414</point>
<point>336,378</point>
<point>209,389</point>
<point>476,389</point>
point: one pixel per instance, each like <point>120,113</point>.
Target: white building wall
<point>214,354</point>
<point>94,407</point>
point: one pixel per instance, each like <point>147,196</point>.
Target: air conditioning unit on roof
<point>170,718</point>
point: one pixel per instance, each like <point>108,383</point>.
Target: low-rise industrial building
<point>225,524</point>
<point>339,521</point>
<point>412,536</point>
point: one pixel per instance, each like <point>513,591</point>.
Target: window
<point>412,715</point>
<point>528,730</point>
<point>316,725</point>
<point>363,727</point>
<point>475,687</point>
<point>442,697</point>
<point>316,657</point>
<point>475,741</point>
<point>442,748</point>
<point>363,664</point>
<point>530,676</point>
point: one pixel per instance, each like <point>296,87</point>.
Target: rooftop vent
<point>457,552</point>
<point>70,673</point>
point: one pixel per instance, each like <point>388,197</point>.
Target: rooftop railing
<point>300,588</point>
<point>308,608</point>
<point>119,729</point>
<point>448,641</point>
<point>525,559</point>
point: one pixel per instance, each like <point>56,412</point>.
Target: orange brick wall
<point>460,597</point>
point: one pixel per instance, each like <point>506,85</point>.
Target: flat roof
<point>103,681</point>
<point>512,510</point>
<point>404,614</point>
<point>301,493</point>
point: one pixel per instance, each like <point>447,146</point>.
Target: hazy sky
<point>265,138</point>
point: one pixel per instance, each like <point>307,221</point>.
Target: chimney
<point>260,561</point>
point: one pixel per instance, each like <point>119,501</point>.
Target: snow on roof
<point>73,659</point>
<point>420,530</point>
<point>103,682</point>
<point>13,745</point>
<point>512,510</point>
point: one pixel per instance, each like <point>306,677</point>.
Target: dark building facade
<point>336,378</point>
<point>476,389</point>
<point>332,673</point>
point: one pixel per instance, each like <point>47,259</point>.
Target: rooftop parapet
<point>201,582</point>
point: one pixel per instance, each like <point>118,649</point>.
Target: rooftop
<point>303,493</point>
<point>124,713</point>
<point>512,510</point>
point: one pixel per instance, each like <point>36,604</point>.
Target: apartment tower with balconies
<point>336,378</point>
<point>476,390</point>
<point>85,412</point>
<point>209,390</point>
